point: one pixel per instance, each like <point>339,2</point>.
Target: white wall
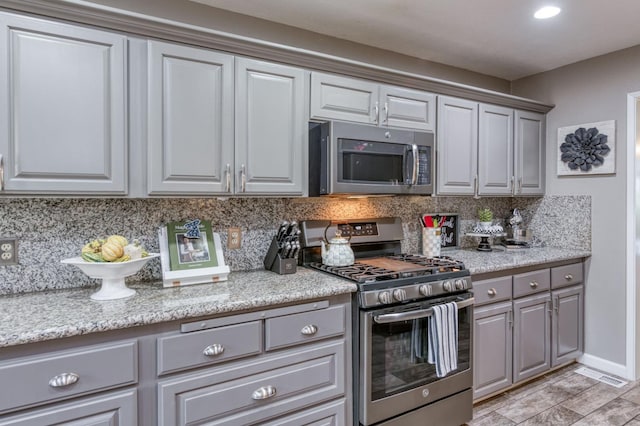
<point>589,91</point>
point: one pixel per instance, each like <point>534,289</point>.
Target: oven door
<point>395,376</point>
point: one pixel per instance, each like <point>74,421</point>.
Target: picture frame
<point>587,149</point>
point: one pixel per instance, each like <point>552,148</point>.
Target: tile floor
<point>560,398</point>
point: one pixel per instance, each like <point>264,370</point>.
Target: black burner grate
<point>365,273</point>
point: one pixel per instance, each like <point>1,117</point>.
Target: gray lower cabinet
<point>526,324</point>
<point>492,355</point>
<point>111,409</point>
<point>332,414</point>
<point>63,110</point>
<point>253,391</point>
<point>531,336</point>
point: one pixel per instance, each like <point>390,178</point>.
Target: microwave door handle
<point>416,164</point>
<point>423,313</point>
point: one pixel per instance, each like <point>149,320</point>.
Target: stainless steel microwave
<point>358,159</point>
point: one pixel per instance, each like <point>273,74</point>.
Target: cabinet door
<point>492,356</point>
<point>495,151</point>
<point>568,322</point>
<point>457,146</point>
<point>271,131</point>
<point>62,115</point>
<point>531,336</point>
<point>112,409</point>
<point>340,98</point>
<point>407,108</point>
<point>190,120</point>
<point>529,153</point>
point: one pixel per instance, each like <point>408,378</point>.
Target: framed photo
<point>587,149</point>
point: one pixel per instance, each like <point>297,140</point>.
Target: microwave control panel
<point>358,229</point>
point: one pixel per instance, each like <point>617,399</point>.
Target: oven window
<point>399,355</point>
<point>368,167</point>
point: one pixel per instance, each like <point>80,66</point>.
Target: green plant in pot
<point>485,216</point>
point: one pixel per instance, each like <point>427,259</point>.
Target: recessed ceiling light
<point>546,12</point>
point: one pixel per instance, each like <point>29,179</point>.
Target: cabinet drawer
<point>304,327</point>
<point>113,409</point>
<point>245,393</point>
<point>562,276</point>
<point>198,348</point>
<point>493,290</point>
<point>332,414</point>
<point>531,282</point>
<point>95,367</point>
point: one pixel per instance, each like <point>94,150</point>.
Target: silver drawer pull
<point>264,392</point>
<point>64,379</point>
<point>309,330</point>
<point>568,277</point>
<point>492,292</point>
<point>213,350</point>
<point>533,284</point>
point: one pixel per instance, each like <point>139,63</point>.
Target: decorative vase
<point>431,242</point>
<point>485,225</point>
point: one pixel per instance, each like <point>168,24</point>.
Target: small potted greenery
<point>485,216</point>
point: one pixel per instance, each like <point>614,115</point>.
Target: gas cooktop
<point>370,270</point>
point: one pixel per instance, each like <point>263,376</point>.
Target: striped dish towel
<point>443,338</point>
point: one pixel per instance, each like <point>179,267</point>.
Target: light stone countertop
<point>46,315</point>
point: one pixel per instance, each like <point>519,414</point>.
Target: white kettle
<point>337,252</point>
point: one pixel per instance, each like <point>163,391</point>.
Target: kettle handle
<point>327,228</point>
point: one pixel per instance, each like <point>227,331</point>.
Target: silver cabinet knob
<point>309,330</point>
<point>492,292</point>
<point>264,392</point>
<point>399,294</point>
<point>533,284</point>
<point>213,350</point>
<point>64,379</point>
<point>568,277</point>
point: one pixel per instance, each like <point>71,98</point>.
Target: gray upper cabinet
<point>495,150</point>
<point>63,109</point>
<point>488,150</point>
<point>271,130</point>
<point>341,98</point>
<point>221,125</point>
<point>457,146</point>
<point>529,153</point>
<point>190,120</point>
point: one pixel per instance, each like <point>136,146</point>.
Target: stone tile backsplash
<point>52,229</point>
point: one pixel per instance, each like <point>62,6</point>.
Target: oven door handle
<point>423,313</point>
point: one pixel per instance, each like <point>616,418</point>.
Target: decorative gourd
<point>112,250</point>
<point>118,239</point>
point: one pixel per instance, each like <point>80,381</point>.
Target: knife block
<point>274,262</point>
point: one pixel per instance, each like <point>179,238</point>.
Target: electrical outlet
<point>234,238</point>
<point>8,251</point>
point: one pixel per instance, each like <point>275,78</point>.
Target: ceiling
<point>495,37</point>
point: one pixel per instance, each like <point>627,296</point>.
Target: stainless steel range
<point>395,384</point>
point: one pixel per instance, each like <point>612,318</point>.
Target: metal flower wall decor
<point>587,149</point>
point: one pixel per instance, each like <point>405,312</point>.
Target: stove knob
<point>447,286</point>
<point>425,289</point>
<point>460,284</point>
<point>399,294</point>
<point>384,297</point>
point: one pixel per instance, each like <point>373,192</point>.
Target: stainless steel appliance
<point>394,385</point>
<point>357,159</point>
